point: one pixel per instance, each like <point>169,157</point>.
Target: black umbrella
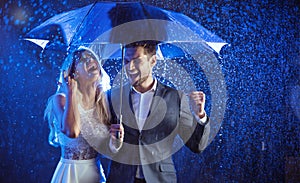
<point>88,24</point>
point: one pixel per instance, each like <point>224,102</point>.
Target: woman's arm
<point>66,111</point>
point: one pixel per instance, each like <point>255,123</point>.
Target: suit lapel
<point>128,117</point>
<point>128,112</point>
<point>154,108</point>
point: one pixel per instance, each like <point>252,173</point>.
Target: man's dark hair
<point>148,45</point>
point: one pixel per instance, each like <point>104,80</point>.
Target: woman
<point>79,119</point>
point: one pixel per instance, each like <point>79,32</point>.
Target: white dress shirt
<point>141,103</point>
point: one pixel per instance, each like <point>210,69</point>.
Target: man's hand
<point>197,99</point>
<point>114,128</point>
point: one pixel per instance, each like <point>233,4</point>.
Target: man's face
<point>138,65</point>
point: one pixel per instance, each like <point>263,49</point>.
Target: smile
<point>92,67</point>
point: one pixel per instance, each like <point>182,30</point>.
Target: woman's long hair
<point>101,101</point>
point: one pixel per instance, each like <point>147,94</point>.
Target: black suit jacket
<point>169,117</point>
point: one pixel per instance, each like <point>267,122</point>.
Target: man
<point>153,115</point>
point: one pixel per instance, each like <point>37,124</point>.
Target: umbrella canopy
<point>94,23</point>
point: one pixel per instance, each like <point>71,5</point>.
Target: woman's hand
<point>71,85</point>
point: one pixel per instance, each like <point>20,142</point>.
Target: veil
<point>103,82</point>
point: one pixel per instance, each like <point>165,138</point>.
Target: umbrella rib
<point>79,26</point>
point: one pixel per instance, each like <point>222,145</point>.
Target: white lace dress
<point>78,155</point>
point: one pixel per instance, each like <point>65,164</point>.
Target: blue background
<point>260,134</point>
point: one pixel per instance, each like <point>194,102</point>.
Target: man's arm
<point>193,130</point>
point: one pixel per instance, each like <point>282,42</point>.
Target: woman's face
<point>87,68</point>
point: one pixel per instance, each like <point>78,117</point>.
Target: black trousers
<point>137,180</point>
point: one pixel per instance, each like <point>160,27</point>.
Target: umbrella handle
<point>118,133</point>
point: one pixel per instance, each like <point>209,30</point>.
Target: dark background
<point>260,134</point>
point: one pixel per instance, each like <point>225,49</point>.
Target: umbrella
<point>84,25</point>
<point>108,26</point>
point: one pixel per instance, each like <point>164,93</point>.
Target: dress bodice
<point>92,134</point>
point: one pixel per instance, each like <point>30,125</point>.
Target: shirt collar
<point>151,89</point>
